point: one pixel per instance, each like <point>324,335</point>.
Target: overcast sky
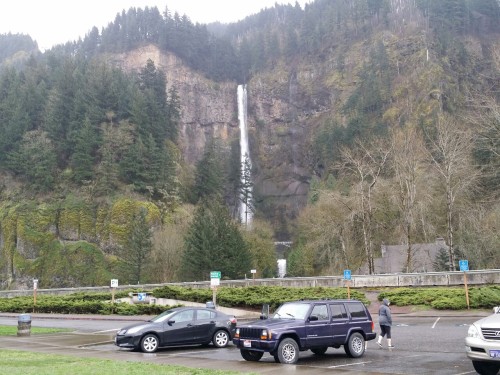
<point>51,22</point>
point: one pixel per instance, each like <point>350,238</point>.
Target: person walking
<point>385,322</point>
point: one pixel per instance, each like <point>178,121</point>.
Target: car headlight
<point>473,331</point>
<point>134,329</point>
<point>266,335</point>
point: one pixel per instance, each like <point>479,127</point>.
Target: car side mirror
<point>265,312</point>
<point>170,322</point>
<point>313,318</point>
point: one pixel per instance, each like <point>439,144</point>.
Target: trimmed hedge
<point>254,297</point>
<point>485,297</point>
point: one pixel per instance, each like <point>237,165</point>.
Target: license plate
<point>495,353</point>
<point>247,343</point>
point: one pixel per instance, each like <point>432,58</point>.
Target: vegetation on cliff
<point>387,111</point>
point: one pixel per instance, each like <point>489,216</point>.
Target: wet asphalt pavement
<point>427,342</point>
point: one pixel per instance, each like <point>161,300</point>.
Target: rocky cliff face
<point>208,109</point>
<point>277,125</point>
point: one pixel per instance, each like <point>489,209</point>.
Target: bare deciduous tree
<point>451,154</point>
<point>485,117</point>
<point>408,164</point>
<point>168,245</point>
<point>364,164</point>
<point>327,230</point>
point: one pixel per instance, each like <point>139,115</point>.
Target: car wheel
<point>251,355</point>
<point>288,351</point>
<point>149,343</point>
<point>355,346</point>
<point>320,351</point>
<point>486,368</point>
<point>221,338</point>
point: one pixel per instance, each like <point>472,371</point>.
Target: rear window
<point>205,314</point>
<point>338,311</point>
<point>357,310</point>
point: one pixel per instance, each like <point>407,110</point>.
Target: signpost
<point>464,266</point>
<point>347,278</point>
<point>35,287</point>
<point>114,284</point>
<point>214,283</point>
<point>253,275</point>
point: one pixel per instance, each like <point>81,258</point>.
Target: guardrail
<point>477,277</point>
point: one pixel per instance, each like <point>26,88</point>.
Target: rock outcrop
<point>276,121</point>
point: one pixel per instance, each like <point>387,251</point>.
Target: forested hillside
<point>384,112</point>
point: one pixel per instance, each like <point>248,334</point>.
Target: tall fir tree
<point>213,242</point>
<point>82,160</point>
<point>134,255</point>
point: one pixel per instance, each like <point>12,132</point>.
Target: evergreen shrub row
<point>484,297</point>
<point>253,297</point>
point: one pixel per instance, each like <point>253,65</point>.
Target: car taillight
<point>373,326</point>
<point>265,335</point>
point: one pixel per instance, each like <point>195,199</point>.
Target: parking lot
<point>424,345</point>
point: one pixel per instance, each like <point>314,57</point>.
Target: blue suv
<point>312,325</point>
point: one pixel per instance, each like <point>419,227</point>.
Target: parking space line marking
<point>437,320</point>
<point>468,372</point>
<point>107,330</point>
<point>350,364</point>
<point>187,353</point>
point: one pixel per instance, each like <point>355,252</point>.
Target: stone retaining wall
<point>474,278</point>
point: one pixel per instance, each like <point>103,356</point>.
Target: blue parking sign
<point>464,265</point>
<point>141,296</point>
<point>347,274</point>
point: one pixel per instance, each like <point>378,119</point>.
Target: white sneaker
<point>379,344</point>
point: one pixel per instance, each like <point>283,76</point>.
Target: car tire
<point>288,351</point>
<point>320,351</point>
<point>220,338</point>
<point>251,355</point>
<point>486,368</point>
<point>149,343</point>
<point>355,346</point>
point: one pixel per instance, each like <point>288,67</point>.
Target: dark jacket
<point>384,314</point>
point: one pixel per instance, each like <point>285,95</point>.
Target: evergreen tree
<point>213,242</point>
<point>210,173</point>
<point>173,114</point>
<point>83,157</point>
<point>35,160</point>
<point>139,244</point>
<point>246,188</point>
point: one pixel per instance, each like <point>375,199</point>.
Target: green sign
<point>215,275</point>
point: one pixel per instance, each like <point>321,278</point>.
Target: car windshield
<point>163,316</point>
<point>292,311</point>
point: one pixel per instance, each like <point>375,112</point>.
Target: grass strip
<point>15,362</point>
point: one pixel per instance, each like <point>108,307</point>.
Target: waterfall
<point>246,213</point>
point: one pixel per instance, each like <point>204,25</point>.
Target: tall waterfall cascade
<point>246,213</point>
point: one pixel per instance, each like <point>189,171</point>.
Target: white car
<point>483,344</point>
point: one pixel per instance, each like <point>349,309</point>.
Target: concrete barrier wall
<point>474,278</point>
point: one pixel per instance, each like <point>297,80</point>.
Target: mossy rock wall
<point>57,239</point>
